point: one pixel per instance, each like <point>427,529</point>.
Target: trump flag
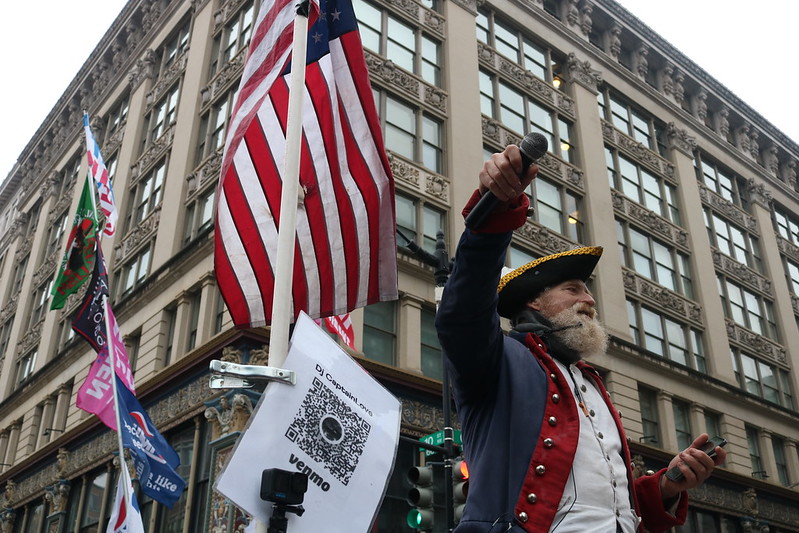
<point>345,252</point>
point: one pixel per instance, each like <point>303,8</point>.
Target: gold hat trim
<point>510,276</point>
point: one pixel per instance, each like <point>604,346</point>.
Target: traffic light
<point>460,487</point>
<point>421,498</point>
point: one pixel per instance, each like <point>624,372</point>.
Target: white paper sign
<point>337,424</point>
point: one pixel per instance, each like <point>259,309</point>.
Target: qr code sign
<point>329,431</point>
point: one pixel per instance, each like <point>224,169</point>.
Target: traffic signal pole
<point>441,263</point>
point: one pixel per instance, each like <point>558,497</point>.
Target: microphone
<point>533,147</point>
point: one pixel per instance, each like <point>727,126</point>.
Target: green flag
<point>81,252</point>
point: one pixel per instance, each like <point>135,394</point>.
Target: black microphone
<point>533,147</point>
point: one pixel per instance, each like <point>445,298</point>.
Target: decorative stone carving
<point>543,238</point>
<point>758,193</point>
<point>259,356</point>
<point>614,45</point>
<point>665,79</point>
<point>679,86</point>
<point>437,186</point>
<point>231,354</point>
<point>679,139</point>
<point>7,519</point>
<point>771,160</point>
<point>582,73</point>
<point>699,104</point>
<point>788,172</point>
<point>573,13</point>
<point>229,414</point>
<point>9,497</point>
<point>404,171</point>
<point>749,502</point>
<point>435,97</point>
<point>62,463</point>
<point>586,23</point>
<point>143,231</point>
<point>754,145</point>
<point>742,140</point>
<point>57,496</point>
<point>421,416</point>
<point>640,62</point>
<point>639,467</point>
<point>142,70</point>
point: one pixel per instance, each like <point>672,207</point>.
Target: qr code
<point>329,431</point>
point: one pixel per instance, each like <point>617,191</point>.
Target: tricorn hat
<point>521,285</point>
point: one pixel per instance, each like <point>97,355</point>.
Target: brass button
<point>592,412</point>
<point>555,398</point>
<point>540,470</point>
<point>548,443</point>
<point>552,421</point>
<point>553,377</point>
<point>532,498</point>
<point>582,388</point>
<point>522,517</point>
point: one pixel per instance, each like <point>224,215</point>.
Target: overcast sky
<point>749,47</point>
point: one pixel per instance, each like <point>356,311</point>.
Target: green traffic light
<point>414,518</point>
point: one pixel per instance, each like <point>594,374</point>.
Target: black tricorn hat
<point>521,285</point>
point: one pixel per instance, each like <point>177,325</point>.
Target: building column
<point>13,442</point>
<point>703,275</point>
<point>598,201</point>
<point>409,338</point>
<point>792,458</point>
<point>3,449</point>
<point>767,456</point>
<point>182,317</point>
<point>205,324</point>
<point>46,423</point>
<point>666,415</point>
<point>62,406</point>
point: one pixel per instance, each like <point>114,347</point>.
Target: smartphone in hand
<point>675,474</point>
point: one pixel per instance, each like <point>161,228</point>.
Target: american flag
<point>345,253</point>
<point>99,172</point>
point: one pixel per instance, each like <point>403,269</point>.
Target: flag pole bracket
<point>225,375</point>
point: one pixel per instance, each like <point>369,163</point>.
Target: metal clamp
<point>226,375</point>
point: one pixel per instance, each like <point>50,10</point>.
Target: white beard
<point>588,339</point>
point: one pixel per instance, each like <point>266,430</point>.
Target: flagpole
<point>281,301</point>
<point>111,354</point>
<point>289,201</point>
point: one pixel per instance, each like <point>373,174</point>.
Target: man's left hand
<point>695,465</point>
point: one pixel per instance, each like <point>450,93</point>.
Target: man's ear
<point>534,304</point>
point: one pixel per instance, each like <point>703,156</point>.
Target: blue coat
<point>519,419</point>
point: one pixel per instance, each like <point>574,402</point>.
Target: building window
<point>522,114</point>
<point>171,318</point>
<point>720,180</point>
<point>631,120</point>
<point>174,47</point>
<point>39,302</point>
<point>786,224</point>
<point>171,520</point>
<point>233,38</point>
<point>432,361</point>
<point>733,241</point>
<point>409,132</point>
<point>682,423</point>
<point>418,221</point>
<point>134,271</point>
<point>34,517</point>
<point>648,400</point>
<point>54,235</point>
<point>712,423</point>
<point>212,127</point>
<point>666,337</point>
<point>399,41</point>
<point>147,194</point>
<point>778,445</point>
<point>117,116</point>
<point>380,332</point>
<point>753,442</point>
<point>748,309</point>
<point>97,491</point>
<point>65,334</point>
<point>72,173</point>
<point>762,379</point>
<point>642,186</point>
<point>654,260</point>
<point>25,366</point>
<point>195,299</point>
<point>543,62</point>
<point>219,313</point>
<point>5,335</point>
<point>199,215</point>
<point>19,274</point>
<point>792,273</point>
<point>162,116</point>
<point>556,208</point>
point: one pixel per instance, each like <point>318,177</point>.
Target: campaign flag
<point>341,325</point>
<point>99,172</point>
<point>345,253</point>
<point>153,458</point>
<point>79,256</point>
<point>125,518</point>
<point>89,320</point>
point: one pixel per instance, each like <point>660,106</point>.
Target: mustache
<point>583,308</point>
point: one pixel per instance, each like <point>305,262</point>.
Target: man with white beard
<point>545,447</point>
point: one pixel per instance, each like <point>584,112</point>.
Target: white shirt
<point>597,494</point>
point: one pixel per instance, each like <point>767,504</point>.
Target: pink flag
<point>96,395</point>
<point>345,253</point>
<point>341,325</point>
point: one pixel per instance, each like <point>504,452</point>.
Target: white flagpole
<point>281,301</point>
<point>289,200</point>
<point>111,354</point>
